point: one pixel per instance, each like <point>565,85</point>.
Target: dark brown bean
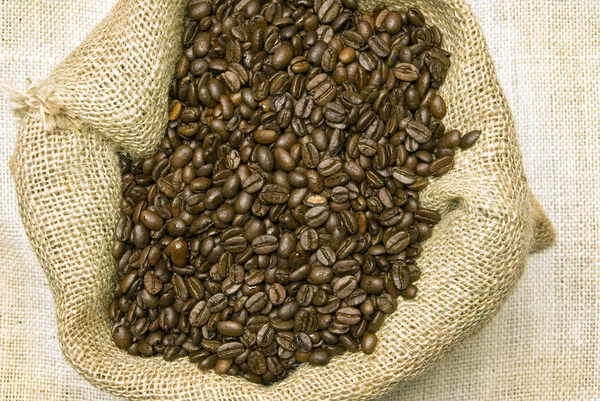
<point>319,358</point>
<point>230,328</point>
<point>368,343</point>
<point>230,350</point>
<point>469,139</point>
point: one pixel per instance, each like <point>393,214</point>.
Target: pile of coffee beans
<point>279,221</point>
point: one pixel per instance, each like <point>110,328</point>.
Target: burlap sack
<point>110,95</point>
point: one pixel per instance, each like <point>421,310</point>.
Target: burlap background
<point>537,348</point>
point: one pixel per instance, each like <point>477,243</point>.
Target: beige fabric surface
<point>522,355</point>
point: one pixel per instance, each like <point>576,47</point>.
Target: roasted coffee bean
<point>418,132</point>
<point>151,283</point>
<point>217,303</point>
<point>303,342</point>
<point>179,252</point>
<point>397,242</point>
<point>230,328</point>
<point>330,166</point>
<point>326,256</point>
<point>230,350</point>
<point>343,287</point>
<point>285,338</point>
<point>349,343</point>
<point>427,216</point>
<point>280,218</point>
<point>371,284</point>
<point>386,303</point>
<point>276,294</point>
<point>409,292</point>
<point>334,112</point>
<point>319,358</point>
<point>320,275</point>
<point>356,298</point>
<point>305,295</point>
<point>288,310</point>
<point>256,302</point>
<point>265,336</point>
<point>348,315</point>
<point>180,287</point>
<point>284,53</point>
<point>316,216</point>
<point>406,72</point>
<point>449,140</point>
<point>469,139</point>
<point>309,240</point>
<point>265,244</point>
<point>440,166</point>
<point>122,337</point>
<point>257,362</point>
<point>368,343</point>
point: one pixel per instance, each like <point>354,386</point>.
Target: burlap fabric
<point>68,182</point>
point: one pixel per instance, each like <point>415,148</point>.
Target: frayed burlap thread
<point>115,86</point>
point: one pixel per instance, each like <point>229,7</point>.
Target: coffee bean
<point>276,294</point>
<point>288,310</point>
<point>319,358</point>
<point>348,343</point>
<point>469,139</point>
<point>371,284</point>
<point>343,287</point>
<point>437,105</point>
<point>418,131</point>
<point>309,240</point>
<point>406,72</point>
<point>410,292</point>
<point>230,328</point>
<point>230,350</point>
<point>257,363</point>
<point>305,295</point>
<point>151,283</point>
<point>122,337</point>
<point>316,216</point>
<point>285,160</point>
<point>303,342</point>
<point>386,303</point>
<point>256,322</point>
<point>441,166</point>
<point>179,252</point>
<point>286,340</point>
<point>168,318</point>
<point>265,336</point>
<point>356,298</point>
<point>348,315</point>
<point>217,303</point>
<point>256,302</point>
<point>282,56</point>
<point>330,166</point>
<point>368,343</point>
<point>326,256</point>
<point>265,244</point>
<point>180,287</point>
<point>352,39</point>
<point>151,220</point>
<point>427,215</point>
<point>346,248</point>
<point>320,275</point>
<point>334,112</point>
<point>346,267</point>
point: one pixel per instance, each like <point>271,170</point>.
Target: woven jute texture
<point>110,96</point>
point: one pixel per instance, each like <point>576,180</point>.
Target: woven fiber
<point>110,95</point>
